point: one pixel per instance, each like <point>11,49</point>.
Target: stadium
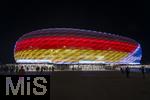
<point>68,46</point>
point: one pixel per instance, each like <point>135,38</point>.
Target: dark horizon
<point>130,19</point>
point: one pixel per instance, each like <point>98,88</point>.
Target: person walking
<point>127,72</point>
<point>53,69</point>
<point>143,71</point>
<point>122,70</point>
<point>21,71</point>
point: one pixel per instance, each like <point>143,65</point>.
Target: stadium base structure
<point>66,67</point>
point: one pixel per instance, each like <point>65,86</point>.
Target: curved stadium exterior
<point>73,46</point>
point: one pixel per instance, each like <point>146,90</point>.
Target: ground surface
<point>99,85</point>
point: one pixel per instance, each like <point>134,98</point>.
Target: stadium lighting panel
<point>72,46</point>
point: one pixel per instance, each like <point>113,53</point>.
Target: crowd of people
<point>22,68</point>
<point>127,71</point>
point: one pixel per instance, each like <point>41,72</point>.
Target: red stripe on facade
<point>73,43</point>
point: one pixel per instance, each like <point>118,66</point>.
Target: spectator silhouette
<point>143,71</point>
<point>37,69</point>
<point>127,72</point>
<point>42,69</point>
<point>17,69</point>
<point>27,69</point>
<point>53,69</point>
<point>121,69</point>
<point>49,68</point>
<point>73,69</point>
<point>21,71</point>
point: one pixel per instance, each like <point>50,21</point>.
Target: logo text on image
<point>21,85</point>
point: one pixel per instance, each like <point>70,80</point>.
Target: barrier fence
<point>68,67</point>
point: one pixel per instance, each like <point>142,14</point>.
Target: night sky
<point>129,19</point>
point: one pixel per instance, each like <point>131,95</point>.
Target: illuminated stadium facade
<point>76,46</point>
